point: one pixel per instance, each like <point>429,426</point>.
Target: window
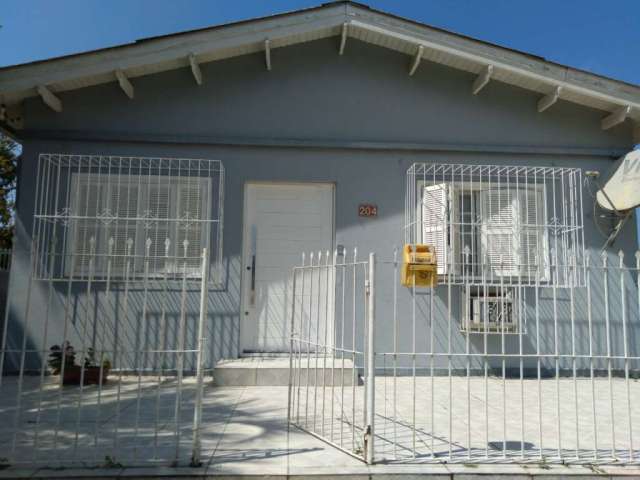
<point>486,231</point>
<point>498,225</point>
<point>160,221</point>
<point>494,312</point>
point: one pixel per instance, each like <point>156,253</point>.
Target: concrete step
<point>273,370</point>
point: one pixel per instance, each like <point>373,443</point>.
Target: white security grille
<point>493,311</point>
<point>117,397</point>
<point>498,225</point>
<point>111,207</point>
<point>120,248</point>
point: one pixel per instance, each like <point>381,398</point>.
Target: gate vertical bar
<point>308,342</point>
<point>333,345</point>
<point>623,301</point>
<point>142,350</point>
<point>605,279</point>
<point>591,368</point>
<point>637,255</point>
<point>371,368</point>
<point>301,336</point>
<point>353,352</point>
<point>316,344</point>
<point>327,265</point>
<point>197,413</point>
<point>342,347</point>
<point>179,353</point>
<point>291,347</point>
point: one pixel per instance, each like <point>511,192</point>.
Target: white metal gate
<point>327,359</point>
<point>561,388</point>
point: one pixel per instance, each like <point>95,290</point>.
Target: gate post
<point>291,340</point>
<point>197,413</point>
<point>370,386</point>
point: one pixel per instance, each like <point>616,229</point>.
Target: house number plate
<point>367,210</point>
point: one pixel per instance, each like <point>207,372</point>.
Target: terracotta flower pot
<point>73,374</point>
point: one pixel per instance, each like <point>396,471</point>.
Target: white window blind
<point>506,225</point>
<point>435,222</point>
<point>533,241</point>
<point>499,231</point>
<point>127,214</point>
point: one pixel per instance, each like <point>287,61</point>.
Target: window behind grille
<point>149,218</point>
<point>492,232</point>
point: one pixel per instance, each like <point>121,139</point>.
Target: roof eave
<point>174,51</point>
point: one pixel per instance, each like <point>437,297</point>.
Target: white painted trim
<point>195,68</point>
<point>548,100</point>
<point>615,118</point>
<point>53,102</point>
<point>343,38</point>
<point>267,53</point>
<point>166,53</point>
<point>416,60</point>
<point>502,65</point>
<point>314,143</point>
<point>482,79</point>
<point>125,84</point>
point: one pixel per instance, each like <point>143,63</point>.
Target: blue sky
<point>595,35</point>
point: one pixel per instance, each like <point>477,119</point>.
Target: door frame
<point>246,238</point>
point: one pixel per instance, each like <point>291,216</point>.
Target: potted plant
<point>73,373</point>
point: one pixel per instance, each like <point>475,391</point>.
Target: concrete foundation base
<point>273,371</point>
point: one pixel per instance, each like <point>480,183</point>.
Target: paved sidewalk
<point>245,433</point>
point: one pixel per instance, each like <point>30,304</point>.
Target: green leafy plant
<point>67,355</point>
<point>110,462</point>
<point>9,152</point>
<point>59,355</point>
<point>90,358</point>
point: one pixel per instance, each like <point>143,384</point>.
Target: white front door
<point>280,222</point>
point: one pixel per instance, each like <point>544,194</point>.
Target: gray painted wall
<point>311,97</point>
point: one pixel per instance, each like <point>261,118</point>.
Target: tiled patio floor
<point>244,429</point>
<point>464,418</point>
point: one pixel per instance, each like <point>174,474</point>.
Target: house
<point>318,130</point>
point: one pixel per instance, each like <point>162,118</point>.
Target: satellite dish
<point>621,190</point>
<point>618,195</point>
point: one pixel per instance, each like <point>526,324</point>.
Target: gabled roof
<point>343,20</point>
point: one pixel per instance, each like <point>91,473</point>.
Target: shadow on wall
<point>113,322</point>
<point>596,320</point>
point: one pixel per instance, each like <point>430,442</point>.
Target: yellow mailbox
<point>419,266</point>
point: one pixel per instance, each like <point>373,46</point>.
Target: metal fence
<point>496,224</point>
<point>331,313</point>
<point>104,374</point>
<point>562,389</point>
<point>149,206</point>
<point>102,363</point>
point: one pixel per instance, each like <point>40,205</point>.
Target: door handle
<point>252,298</point>
<point>254,251</point>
